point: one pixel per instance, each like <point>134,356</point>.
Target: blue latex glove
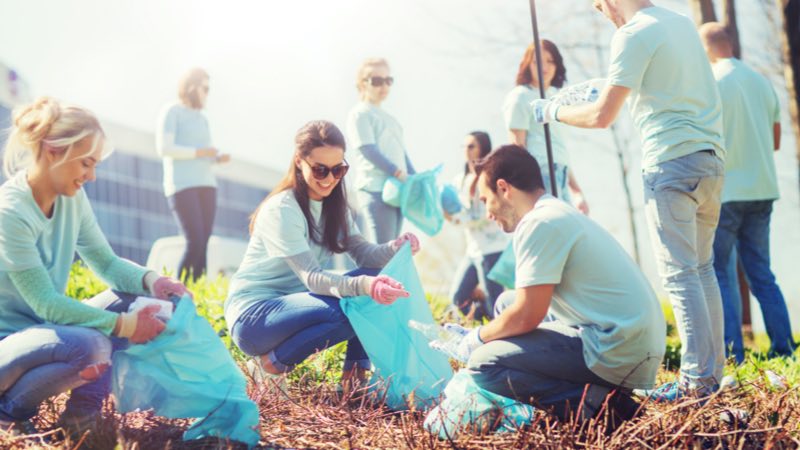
<point>544,111</point>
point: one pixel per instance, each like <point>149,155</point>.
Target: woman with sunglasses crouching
<point>283,306</point>
<point>381,153</point>
<point>51,343</point>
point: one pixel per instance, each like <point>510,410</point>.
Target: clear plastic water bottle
<point>447,339</point>
<point>577,94</point>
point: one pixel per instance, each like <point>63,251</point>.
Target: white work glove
<point>577,94</point>
<point>545,111</point>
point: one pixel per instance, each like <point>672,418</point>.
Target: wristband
<point>127,325</point>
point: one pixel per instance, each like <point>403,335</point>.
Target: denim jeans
<point>470,274</point>
<point>290,328</point>
<point>562,180</point>
<point>194,209</point>
<point>45,360</point>
<point>744,226</point>
<point>545,366</point>
<point>682,204</point>
<point>382,222</point>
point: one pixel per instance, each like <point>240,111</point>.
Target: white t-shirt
<point>368,124</point>
<point>518,115</point>
<point>598,289</point>
<point>280,231</point>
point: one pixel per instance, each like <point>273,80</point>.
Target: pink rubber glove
<point>148,326</point>
<point>385,290</point>
<point>406,237</point>
<point>166,286</point>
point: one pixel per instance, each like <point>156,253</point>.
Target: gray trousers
<point>544,367</point>
<point>382,222</point>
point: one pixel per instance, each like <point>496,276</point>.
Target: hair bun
<point>35,120</point>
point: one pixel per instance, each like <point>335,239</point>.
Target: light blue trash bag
<point>187,372</point>
<point>468,407</point>
<point>404,363</point>
<point>503,271</point>
<point>420,201</point>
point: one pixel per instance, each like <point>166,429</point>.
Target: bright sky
<point>276,65</point>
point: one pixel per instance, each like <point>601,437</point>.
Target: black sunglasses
<point>320,171</point>
<point>380,81</point>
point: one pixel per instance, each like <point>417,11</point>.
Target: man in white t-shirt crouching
<point>608,335</point>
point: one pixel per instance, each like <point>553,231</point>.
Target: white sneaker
<point>262,377</point>
<point>728,383</point>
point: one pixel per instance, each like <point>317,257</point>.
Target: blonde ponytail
<point>47,121</point>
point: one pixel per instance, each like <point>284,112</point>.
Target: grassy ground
<point>311,413</point>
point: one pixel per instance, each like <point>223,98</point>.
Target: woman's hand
<point>386,290</point>
<point>224,158</point>
<point>165,287</point>
<point>402,239</point>
<point>140,326</point>
<point>207,152</point>
<point>401,174</point>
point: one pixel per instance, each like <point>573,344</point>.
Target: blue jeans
<point>382,222</point>
<point>744,226</point>
<point>562,179</point>
<point>470,274</point>
<point>45,360</point>
<point>194,209</point>
<point>290,328</point>
<point>682,204</point>
<point>545,366</point>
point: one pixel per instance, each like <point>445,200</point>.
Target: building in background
<point>128,198</point>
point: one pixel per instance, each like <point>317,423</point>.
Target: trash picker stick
<point>550,166</point>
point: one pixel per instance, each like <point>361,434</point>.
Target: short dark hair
<point>513,164</point>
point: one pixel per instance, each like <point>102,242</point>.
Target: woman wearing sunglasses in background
<point>282,305</point>
<point>485,240</point>
<point>377,138</point>
<point>527,133</point>
<point>183,140</point>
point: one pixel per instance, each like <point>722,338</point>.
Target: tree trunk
<point>729,20</point>
<point>790,38</point>
<point>703,11</point>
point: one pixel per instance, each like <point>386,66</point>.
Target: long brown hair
<point>524,75</point>
<point>335,210</point>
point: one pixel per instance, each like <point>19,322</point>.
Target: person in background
<point>485,241</point>
<point>51,343</point>
<point>751,115</point>
<point>282,305</point>
<point>526,132</point>
<point>183,140</point>
<point>380,150</point>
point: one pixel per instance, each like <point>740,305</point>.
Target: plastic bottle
<point>586,92</point>
<point>447,339</point>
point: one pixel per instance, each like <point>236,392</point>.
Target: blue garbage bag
<point>451,203</point>
<point>503,271</point>
<point>404,363</point>
<point>469,407</point>
<point>187,372</point>
<point>420,202</point>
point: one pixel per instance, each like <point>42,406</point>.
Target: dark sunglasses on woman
<point>321,171</point>
<point>380,81</point>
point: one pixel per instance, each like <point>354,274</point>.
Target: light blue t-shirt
<point>280,231</point>
<point>750,109</point>
<point>190,128</point>
<point>368,124</point>
<point>598,289</point>
<point>674,99</point>
<point>518,115</point>
<point>29,240</point>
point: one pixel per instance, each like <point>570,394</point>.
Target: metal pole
<point>538,45</point>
